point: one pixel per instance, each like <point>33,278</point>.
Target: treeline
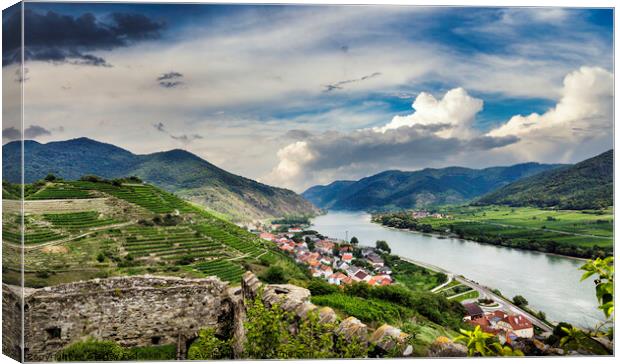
<point>481,234</point>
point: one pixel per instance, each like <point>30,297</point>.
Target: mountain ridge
<point>585,185</point>
<point>176,170</point>
<point>395,189</point>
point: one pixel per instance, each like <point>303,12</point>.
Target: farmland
<point>586,233</point>
<point>140,230</point>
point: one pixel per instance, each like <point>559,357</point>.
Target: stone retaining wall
<point>133,311</point>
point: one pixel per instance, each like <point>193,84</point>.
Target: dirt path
<point>71,238</point>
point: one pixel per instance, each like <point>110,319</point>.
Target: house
<point>385,270</point>
<point>295,230</point>
<point>361,276</point>
<point>342,265</point>
<point>324,246</point>
<point>337,278</point>
<point>326,271</point>
<point>326,260</point>
<point>315,273</point>
<point>517,324</point>
<point>375,260</point>
<point>347,257</point>
<point>473,311</point>
<point>267,236</point>
<point>383,280</point>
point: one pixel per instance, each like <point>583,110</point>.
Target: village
<point>340,263</point>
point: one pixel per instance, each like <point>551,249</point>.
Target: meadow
<point>584,233</point>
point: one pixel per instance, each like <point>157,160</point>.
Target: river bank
<point>550,283</point>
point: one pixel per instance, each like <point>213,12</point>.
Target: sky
<point>295,96</point>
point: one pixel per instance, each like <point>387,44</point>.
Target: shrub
<point>319,287</point>
<point>519,301</point>
<point>274,275</point>
<point>100,257</point>
<point>185,260</point>
<point>92,350</point>
<point>209,347</point>
<point>158,352</point>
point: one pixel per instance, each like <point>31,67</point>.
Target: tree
<point>520,301</point>
<point>354,241</point>
<point>383,245</point>
<point>209,347</point>
<point>274,275</point>
<point>604,268</point>
<point>50,178</point>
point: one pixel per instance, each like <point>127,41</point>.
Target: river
<point>550,283</point>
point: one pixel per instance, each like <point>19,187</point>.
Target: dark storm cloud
<point>35,131</point>
<point>340,84</point>
<point>10,133</point>
<point>170,80</point>
<point>31,132</point>
<point>402,146</point>
<point>186,139</point>
<point>65,38</point>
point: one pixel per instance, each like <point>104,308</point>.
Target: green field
<point>586,233</point>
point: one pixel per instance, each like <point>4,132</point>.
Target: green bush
<point>274,275</point>
<point>159,352</point>
<point>92,350</point>
<point>208,347</point>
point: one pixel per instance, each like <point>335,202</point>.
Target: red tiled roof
<point>519,322</point>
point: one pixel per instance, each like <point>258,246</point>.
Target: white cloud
<point>440,133</point>
<point>456,109</point>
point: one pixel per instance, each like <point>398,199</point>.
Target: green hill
<point>585,185</point>
<point>179,171</point>
<point>137,229</point>
<point>395,190</point>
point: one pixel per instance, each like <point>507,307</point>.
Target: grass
<point>469,295</point>
<point>224,269</point>
<point>59,191</point>
<point>528,222</point>
<point>368,310</point>
<point>78,220</point>
<point>414,277</point>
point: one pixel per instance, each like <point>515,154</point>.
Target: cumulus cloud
<point>68,39</point>
<point>584,112</point>
<point>457,109</point>
<point>302,162</point>
<point>441,131</point>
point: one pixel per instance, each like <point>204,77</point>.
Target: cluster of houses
<point>333,260</point>
<point>422,214</point>
<point>507,327</point>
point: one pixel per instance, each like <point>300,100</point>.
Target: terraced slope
<point>137,229</point>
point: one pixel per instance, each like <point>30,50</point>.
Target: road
<point>484,291</point>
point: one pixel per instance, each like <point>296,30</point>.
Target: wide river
<point>550,283</point>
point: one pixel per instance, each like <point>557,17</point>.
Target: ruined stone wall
<point>133,311</point>
<point>11,322</point>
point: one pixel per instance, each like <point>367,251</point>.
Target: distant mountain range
<point>177,170</point>
<point>585,185</point>
<point>393,190</point>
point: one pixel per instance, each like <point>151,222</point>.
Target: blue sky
<point>298,95</point>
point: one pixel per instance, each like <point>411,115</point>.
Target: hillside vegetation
<point>179,171</point>
<point>396,190</point>
<point>585,185</point>
<point>141,229</point>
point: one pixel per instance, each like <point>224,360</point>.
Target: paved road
<point>484,291</point>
